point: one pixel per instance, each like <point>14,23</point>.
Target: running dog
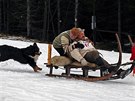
<point>28,55</point>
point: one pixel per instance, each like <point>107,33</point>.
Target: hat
<point>74,32</point>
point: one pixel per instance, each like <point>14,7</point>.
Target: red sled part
<point>133,53</point>
<point>133,71</point>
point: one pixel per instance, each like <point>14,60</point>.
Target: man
<point>62,42</point>
<point>64,39</point>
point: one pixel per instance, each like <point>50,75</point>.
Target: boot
<point>124,73</point>
<point>101,62</point>
<point>105,66</point>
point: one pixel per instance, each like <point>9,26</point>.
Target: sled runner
<point>104,75</point>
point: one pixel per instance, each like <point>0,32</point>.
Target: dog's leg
<point>36,69</point>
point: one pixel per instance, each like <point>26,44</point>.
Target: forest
<point>45,19</point>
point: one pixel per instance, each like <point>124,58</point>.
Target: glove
<point>83,62</point>
<point>79,45</point>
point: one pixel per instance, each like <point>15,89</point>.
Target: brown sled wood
<point>79,77</point>
<point>85,69</point>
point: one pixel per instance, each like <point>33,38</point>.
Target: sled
<point>85,69</point>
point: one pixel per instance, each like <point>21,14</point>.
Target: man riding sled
<point>72,42</point>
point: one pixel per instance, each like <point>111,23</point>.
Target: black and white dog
<point>28,55</point>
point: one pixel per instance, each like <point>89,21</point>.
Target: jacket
<point>78,53</point>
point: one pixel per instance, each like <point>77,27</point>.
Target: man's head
<point>77,34</point>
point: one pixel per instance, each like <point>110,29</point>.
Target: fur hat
<point>74,32</point>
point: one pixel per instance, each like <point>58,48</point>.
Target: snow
<point>18,82</point>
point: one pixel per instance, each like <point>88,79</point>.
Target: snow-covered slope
<point>19,83</point>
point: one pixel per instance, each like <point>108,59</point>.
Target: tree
<point>28,17</point>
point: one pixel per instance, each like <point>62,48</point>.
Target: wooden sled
<point>85,69</point>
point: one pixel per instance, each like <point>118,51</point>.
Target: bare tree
<point>28,18</point>
<point>76,12</point>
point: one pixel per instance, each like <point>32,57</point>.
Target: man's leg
<point>61,51</point>
<point>95,58</point>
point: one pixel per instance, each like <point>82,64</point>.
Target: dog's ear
<point>34,44</point>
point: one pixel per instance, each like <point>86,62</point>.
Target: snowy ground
<point>19,83</point>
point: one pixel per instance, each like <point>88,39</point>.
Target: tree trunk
<point>28,18</point>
